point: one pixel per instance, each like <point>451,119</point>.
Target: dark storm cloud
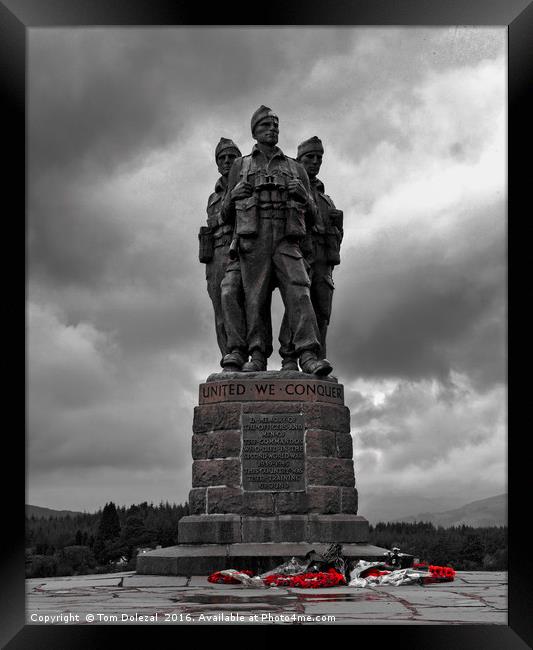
<point>354,91</point>
<point>419,311</point>
<point>98,433</point>
<point>91,406</point>
<point>150,322</point>
<point>417,430</point>
<point>100,97</point>
<point>102,100</point>
<point>70,240</point>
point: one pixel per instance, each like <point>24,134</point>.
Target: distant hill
<point>392,507</point>
<point>486,512</point>
<point>43,513</point>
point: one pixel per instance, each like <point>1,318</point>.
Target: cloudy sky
<point>122,129</point>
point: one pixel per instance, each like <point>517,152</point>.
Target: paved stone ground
<point>124,598</point>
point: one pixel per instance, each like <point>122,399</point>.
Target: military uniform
<point>216,268</point>
<point>215,240</point>
<point>322,256</point>
<point>321,250</point>
<point>269,226</point>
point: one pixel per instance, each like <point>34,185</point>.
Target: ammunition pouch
<point>206,240</point>
<point>333,246</point>
<point>333,236</point>
<point>246,212</point>
<point>295,224</point>
<point>222,241</point>
<point>222,236</point>
<point>336,218</point>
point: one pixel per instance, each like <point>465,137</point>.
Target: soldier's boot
<point>233,362</point>
<point>289,363</point>
<point>311,364</point>
<point>256,364</point>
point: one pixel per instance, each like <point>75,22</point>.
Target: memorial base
<point>272,477</point>
<point>236,529</point>
<point>204,559</point>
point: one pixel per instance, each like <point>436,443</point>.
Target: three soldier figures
<point>270,224</point>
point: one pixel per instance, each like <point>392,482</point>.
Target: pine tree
<point>472,552</point>
<point>108,534</point>
<point>109,528</point>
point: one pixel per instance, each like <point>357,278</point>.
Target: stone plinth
<point>272,464</point>
<point>204,559</point>
<point>234,529</point>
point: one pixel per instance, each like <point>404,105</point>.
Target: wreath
<point>329,578</point>
<point>324,576</point>
<point>221,577</point>
<point>436,573</point>
<point>317,580</point>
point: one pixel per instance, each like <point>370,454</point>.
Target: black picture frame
<point>17,16</point>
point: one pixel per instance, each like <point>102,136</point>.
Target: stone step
<point>204,559</point>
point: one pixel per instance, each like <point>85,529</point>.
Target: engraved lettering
<point>220,391</point>
<point>273,452</point>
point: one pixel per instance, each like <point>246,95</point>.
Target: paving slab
<point>91,576</point>
<point>154,581</point>
<point>473,616</point>
<point>362,609</point>
<point>128,598</point>
<point>80,583</point>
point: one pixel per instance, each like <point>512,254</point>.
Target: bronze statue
<point>215,240</point>
<point>269,203</point>
<point>321,249</point>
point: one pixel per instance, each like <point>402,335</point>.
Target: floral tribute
<point>314,580</point>
<point>374,573</point>
<point>436,573</point>
<point>330,570</point>
<point>329,578</point>
<point>222,577</point>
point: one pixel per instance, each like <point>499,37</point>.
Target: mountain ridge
<point>491,511</point>
<point>40,512</point>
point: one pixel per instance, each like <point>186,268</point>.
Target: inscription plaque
<point>273,452</point>
<point>279,390</point>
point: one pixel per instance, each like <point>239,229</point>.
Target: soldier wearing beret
<point>215,240</point>
<point>270,204</point>
<point>321,249</point>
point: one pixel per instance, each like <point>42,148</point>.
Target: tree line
<point>104,541</point>
<point>109,540</point>
<point>464,548</point>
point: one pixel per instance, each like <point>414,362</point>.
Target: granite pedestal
<point>272,468</point>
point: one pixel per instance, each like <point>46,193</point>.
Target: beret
<point>260,114</point>
<point>313,144</point>
<point>226,143</point>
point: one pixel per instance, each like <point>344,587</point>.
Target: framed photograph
<point>117,109</point>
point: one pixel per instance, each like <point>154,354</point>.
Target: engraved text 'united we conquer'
<point>281,390</point>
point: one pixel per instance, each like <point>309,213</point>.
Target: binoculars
<point>264,181</point>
